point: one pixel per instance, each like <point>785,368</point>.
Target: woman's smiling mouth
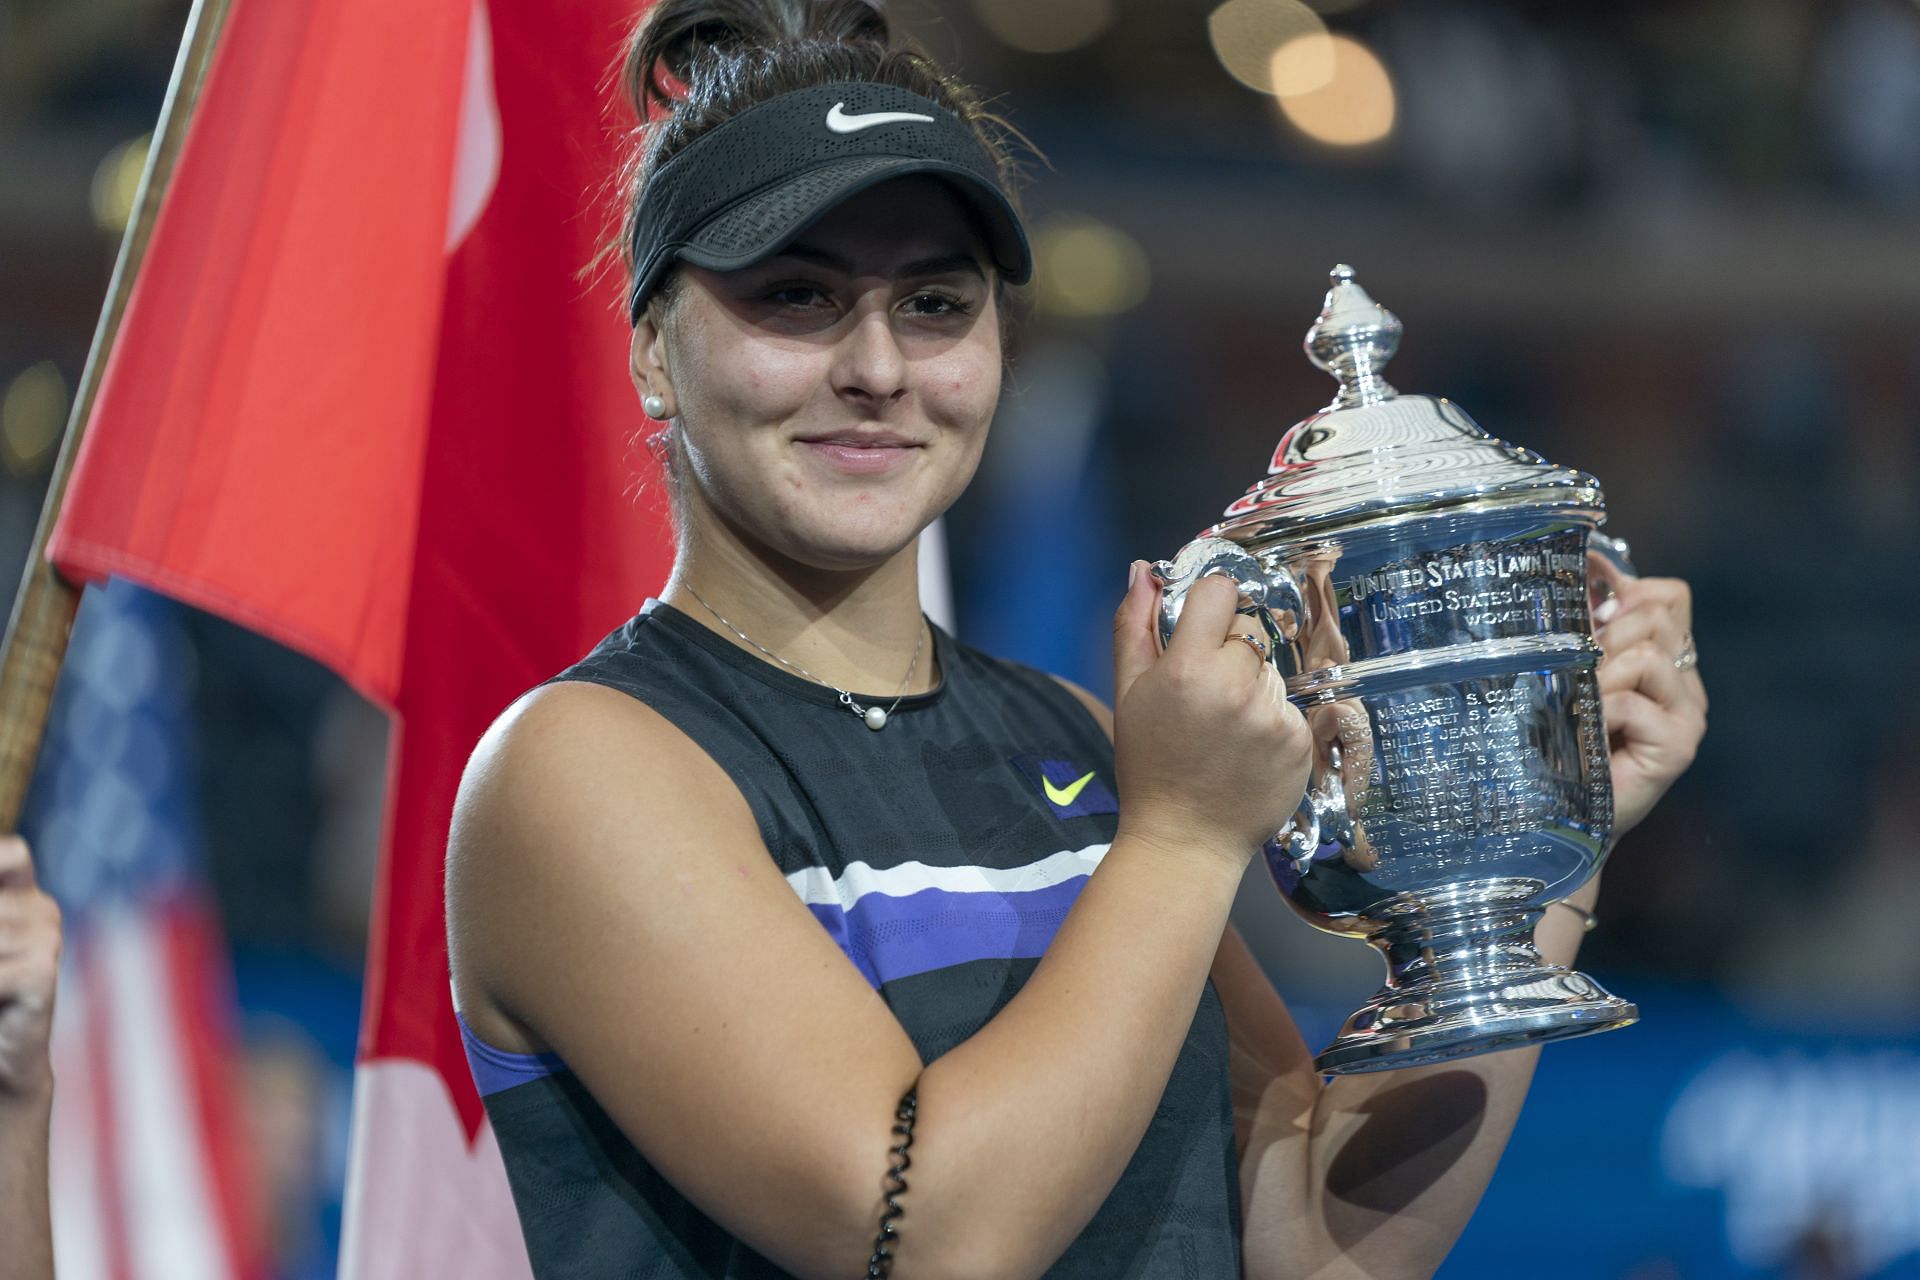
<point>860,452</point>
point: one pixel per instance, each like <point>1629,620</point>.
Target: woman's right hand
<point>1208,751</point>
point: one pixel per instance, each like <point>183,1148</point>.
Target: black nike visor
<point>742,191</point>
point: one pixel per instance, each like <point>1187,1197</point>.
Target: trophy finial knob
<point>1353,339</point>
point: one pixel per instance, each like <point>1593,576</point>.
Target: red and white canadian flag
<point>361,403</point>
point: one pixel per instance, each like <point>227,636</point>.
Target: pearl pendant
<point>876,718</point>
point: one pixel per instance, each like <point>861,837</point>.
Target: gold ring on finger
<point>1253,642</point>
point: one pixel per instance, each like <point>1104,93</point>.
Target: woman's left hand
<point>1650,689</point>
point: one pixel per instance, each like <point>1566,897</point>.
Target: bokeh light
<point>1087,269</point>
<point>33,414</point>
<point>1045,26</point>
<point>116,184</point>
<point>1302,64</point>
<point>1353,108</point>
<point>1249,36</point>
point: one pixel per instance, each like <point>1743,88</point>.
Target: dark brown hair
<point>692,65</point>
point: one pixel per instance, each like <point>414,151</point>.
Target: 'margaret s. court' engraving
<point>1460,760</point>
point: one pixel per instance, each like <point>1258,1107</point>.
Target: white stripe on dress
<point>817,887</point>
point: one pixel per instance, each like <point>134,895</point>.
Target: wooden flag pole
<point>44,607</point>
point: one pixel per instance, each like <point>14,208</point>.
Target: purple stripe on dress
<point>889,938</point>
<point>497,1069</point>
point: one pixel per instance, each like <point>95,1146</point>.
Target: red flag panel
<point>257,443</point>
<point>361,403</point>
<point>530,545</point>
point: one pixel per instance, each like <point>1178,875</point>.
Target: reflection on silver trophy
<point>1423,587</point>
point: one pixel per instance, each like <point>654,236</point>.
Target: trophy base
<point>1465,978</point>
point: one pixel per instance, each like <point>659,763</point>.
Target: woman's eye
<point>804,296</point>
<point>938,304</point>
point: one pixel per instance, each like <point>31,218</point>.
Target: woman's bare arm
<point>1370,1175</point>
<point>1375,1176</point>
<point>611,900</point>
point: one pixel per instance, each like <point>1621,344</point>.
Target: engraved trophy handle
<point>1268,594</point>
<point>1271,596</point>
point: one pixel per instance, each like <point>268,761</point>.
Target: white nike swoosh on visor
<point>840,122</point>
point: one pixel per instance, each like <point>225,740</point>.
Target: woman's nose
<point>871,366</point>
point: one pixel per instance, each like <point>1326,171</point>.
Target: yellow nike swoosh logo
<point>1064,796</point>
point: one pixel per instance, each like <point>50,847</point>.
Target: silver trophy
<point>1423,588</point>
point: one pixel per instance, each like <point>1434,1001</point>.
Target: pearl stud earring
<point>655,406</point>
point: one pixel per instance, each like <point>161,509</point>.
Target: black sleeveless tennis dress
<point>941,854</point>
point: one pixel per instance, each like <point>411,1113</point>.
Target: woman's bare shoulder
<point>574,784</point>
<point>566,741</point>
<point>565,712</point>
<point>610,899</point>
<point>577,759</point>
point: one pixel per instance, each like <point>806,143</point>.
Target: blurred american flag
<point>148,1153</point>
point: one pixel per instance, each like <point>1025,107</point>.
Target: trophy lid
<point>1375,454</point>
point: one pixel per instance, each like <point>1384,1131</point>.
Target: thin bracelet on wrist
<point>1590,920</point>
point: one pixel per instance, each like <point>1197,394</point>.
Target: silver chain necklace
<point>874,716</point>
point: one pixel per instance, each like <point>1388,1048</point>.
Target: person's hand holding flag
<point>29,961</point>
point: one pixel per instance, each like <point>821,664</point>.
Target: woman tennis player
<point>781,886</point>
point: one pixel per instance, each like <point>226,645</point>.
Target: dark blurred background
<point>1674,244</point>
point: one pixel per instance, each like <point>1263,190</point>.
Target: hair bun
<point>677,35</point>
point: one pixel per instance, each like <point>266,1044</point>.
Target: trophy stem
<point>1464,977</point>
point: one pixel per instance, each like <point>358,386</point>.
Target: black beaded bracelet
<point>880,1264</point>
